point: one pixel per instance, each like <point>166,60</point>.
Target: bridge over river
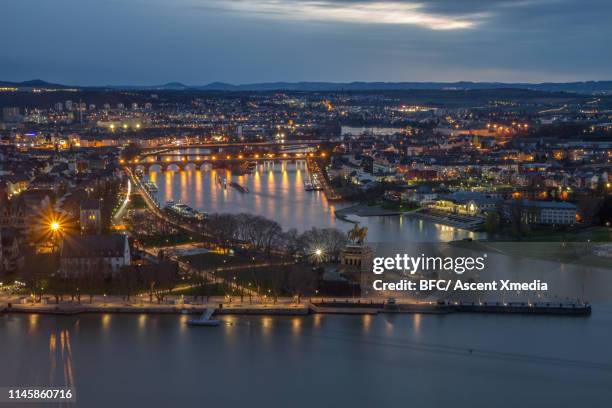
<point>181,159</point>
<point>229,153</point>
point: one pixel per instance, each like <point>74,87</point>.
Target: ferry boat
<point>204,319</point>
<point>308,186</point>
<point>185,211</point>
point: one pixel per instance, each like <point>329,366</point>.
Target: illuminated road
<point>117,218</point>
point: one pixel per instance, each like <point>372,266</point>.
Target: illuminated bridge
<point>181,160</point>
<point>229,154</point>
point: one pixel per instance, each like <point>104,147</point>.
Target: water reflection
<point>106,318</point>
<point>416,322</point>
<point>367,322</point>
<point>62,354</point>
<point>456,350</point>
<point>33,320</point>
<point>142,320</point>
<point>296,325</point>
<point>277,192</point>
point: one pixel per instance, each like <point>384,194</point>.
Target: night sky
<point>147,42</point>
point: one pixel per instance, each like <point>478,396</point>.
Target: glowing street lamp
<point>318,254</point>
<point>55,229</point>
<point>55,226</point>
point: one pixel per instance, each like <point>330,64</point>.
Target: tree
<point>290,242</point>
<point>299,279</point>
<point>91,282</point>
<point>38,272</point>
<point>128,281</point>
<point>200,283</point>
<point>160,279</point>
<point>605,212</point>
<point>223,227</point>
<point>519,218</point>
<point>589,208</point>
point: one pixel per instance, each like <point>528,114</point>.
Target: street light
<point>318,253</point>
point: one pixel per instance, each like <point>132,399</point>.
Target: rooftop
<point>94,246</point>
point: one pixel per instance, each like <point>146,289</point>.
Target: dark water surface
<point>315,361</point>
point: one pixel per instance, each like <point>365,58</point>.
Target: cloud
<point>360,12</point>
<point>241,41</point>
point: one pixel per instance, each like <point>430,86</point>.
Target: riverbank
<point>364,210</point>
<point>173,305</point>
<point>288,307</point>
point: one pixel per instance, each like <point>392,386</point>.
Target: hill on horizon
<point>585,87</point>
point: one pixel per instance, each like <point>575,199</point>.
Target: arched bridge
<point>181,160</point>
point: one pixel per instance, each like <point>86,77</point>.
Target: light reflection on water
<point>379,358</point>
<point>277,192</point>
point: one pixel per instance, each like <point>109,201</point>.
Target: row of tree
<point>266,236</point>
<point>41,277</point>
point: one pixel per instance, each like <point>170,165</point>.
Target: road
<point>118,217</point>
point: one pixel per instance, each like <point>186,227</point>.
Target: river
<point>277,192</point>
<point>315,361</point>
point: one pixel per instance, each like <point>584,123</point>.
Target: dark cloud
<point>199,41</point>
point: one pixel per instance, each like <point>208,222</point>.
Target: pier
<point>364,306</point>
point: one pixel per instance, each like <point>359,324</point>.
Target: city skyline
<point>197,42</point>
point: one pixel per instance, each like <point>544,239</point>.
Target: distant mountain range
<point>588,87</point>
